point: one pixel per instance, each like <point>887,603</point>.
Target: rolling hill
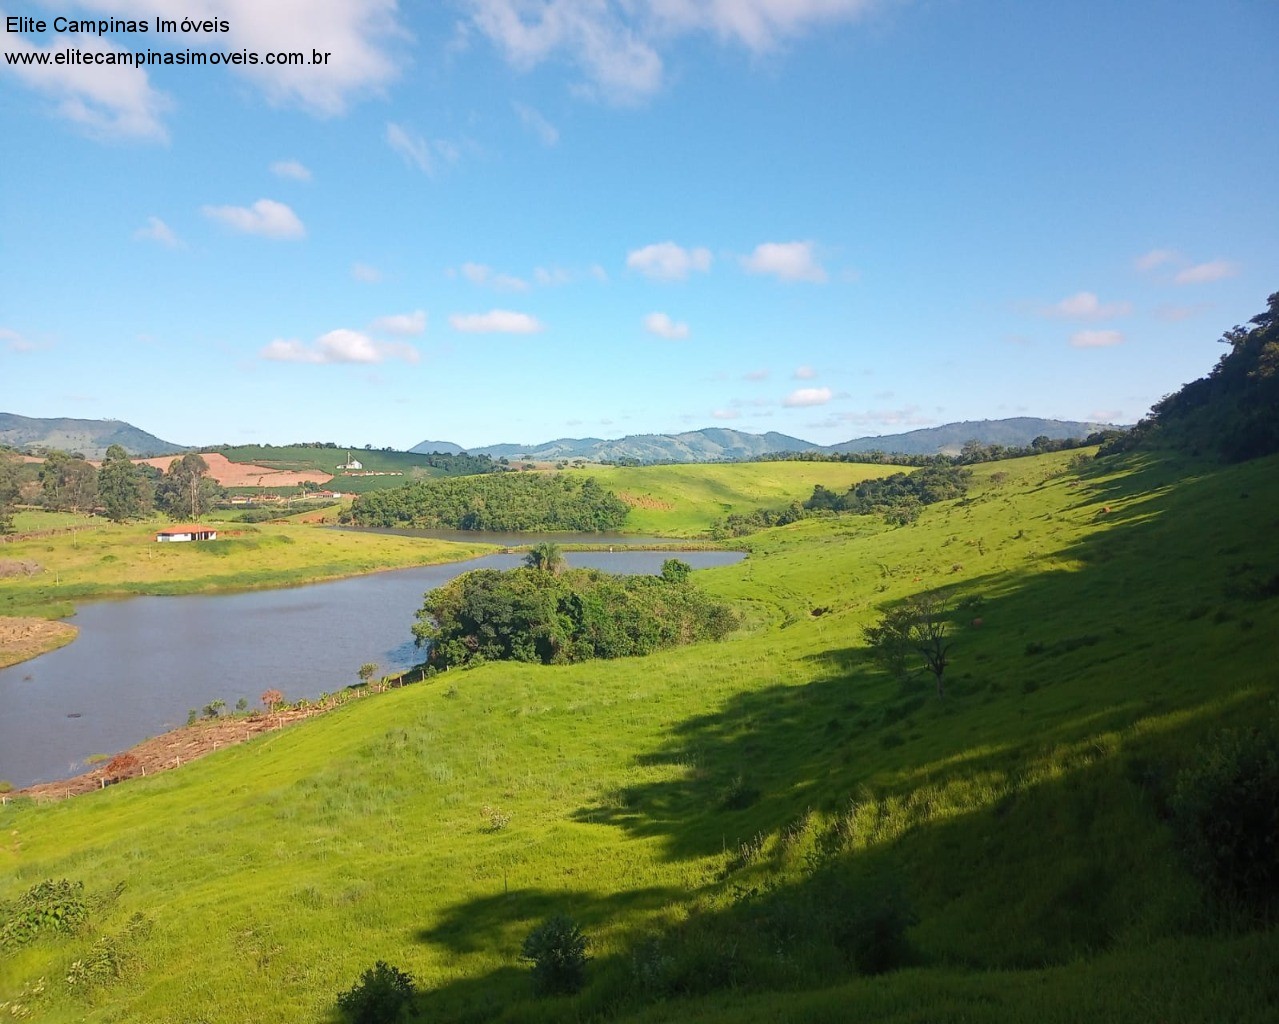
<point>90,437</point>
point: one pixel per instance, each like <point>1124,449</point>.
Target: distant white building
<point>351,463</point>
<point>178,533</point>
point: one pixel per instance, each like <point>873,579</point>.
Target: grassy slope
<point>683,501</point>
<point>106,560</point>
<point>1021,811</point>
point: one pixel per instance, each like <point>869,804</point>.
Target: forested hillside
<point>508,501</point>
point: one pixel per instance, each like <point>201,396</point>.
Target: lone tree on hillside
<point>271,700</point>
<point>367,671</point>
<point>920,626</point>
<point>545,557</point>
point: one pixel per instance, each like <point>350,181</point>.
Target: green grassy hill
<point>683,501</point>
<point>713,815</point>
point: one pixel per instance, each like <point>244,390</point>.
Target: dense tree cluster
<point>536,615</point>
<point>506,501</point>
<point>901,492</point>
<point>1233,412</point>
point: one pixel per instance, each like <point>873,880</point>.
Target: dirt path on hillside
<point>23,638</point>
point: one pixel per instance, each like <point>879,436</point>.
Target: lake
<point>141,663</point>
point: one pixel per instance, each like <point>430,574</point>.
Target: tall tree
<point>120,486</point>
<point>69,483</point>
<point>8,489</point>
<point>546,557</point>
<point>186,489</point>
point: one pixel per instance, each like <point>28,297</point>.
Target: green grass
<point>684,501</point>
<point>1121,624</point>
<point>104,559</point>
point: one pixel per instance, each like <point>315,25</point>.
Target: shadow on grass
<point>1021,814</point>
<point>1054,661</point>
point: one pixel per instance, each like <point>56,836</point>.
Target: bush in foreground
<point>381,996</point>
<point>557,950</point>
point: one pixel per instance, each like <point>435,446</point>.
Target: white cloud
<point>619,65</point>
<point>790,261</point>
<point>726,414</point>
<point>15,342</point>
<point>116,102</point>
<point>366,273</point>
<point>533,120</point>
<point>401,323</point>
<point>1096,339</point>
<point>415,149</point>
<point>339,346</point>
<point>158,231</point>
<point>549,277</point>
<point>266,217</point>
<point>1155,258</point>
<point>1086,306</point>
<point>666,261</point>
<point>496,321</point>
<point>478,273</point>
<point>664,327</point>
<point>291,169</point>
<point>808,396</point>
<point>616,45</point>
<point>804,373</point>
<point>1203,273</point>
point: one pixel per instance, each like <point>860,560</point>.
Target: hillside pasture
<point>708,814</point>
<point>685,501</point>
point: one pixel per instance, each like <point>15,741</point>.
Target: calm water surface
<point>139,664</point>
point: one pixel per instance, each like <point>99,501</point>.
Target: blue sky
<point>514,220</point>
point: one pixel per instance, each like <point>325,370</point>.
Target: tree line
<point>119,488</point>
<point>506,501</point>
<point>899,498</point>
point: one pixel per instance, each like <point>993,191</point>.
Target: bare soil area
<point>172,750</point>
<point>23,638</point>
<point>244,474</point>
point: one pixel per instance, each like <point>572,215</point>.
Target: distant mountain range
<point>713,444</point>
<point>92,438</point>
<point>718,444</point>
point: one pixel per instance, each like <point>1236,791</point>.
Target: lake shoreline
<point>24,637</point>
<point>172,749</point>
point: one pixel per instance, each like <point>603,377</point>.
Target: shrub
<point>48,907</point>
<point>1225,811</point>
<point>381,996</point>
<point>557,950</point>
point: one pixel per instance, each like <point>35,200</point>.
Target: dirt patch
<point>645,501</point>
<point>175,748</point>
<point>22,638</point>
<point>19,567</point>
<point>244,474</point>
